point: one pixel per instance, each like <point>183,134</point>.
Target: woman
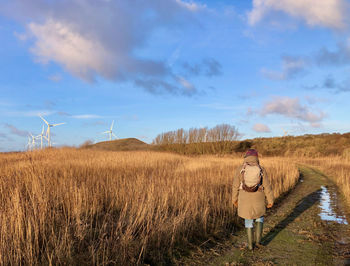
<point>250,188</point>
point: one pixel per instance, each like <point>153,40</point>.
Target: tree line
<point>219,139</point>
<point>223,132</point>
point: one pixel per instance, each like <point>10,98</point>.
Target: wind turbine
<point>32,141</point>
<point>110,132</point>
<point>48,136</point>
<point>285,132</point>
<point>29,144</point>
<point>41,136</point>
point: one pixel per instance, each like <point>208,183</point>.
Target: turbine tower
<point>110,131</point>
<point>48,136</point>
<point>41,136</point>
<point>29,144</point>
<point>32,141</point>
<point>285,132</point>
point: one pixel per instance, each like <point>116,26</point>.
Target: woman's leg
<point>259,229</point>
<point>260,220</point>
<point>248,223</point>
<point>249,227</point>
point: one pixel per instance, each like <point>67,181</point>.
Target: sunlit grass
<point>337,168</point>
<point>65,206</point>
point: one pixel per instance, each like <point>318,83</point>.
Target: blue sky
<point>264,66</point>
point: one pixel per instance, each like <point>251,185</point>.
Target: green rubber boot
<point>250,238</point>
<point>258,236</point>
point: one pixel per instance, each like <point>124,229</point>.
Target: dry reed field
<point>338,169</point>
<point>69,206</point>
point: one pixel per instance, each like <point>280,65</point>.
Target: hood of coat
<point>251,160</point>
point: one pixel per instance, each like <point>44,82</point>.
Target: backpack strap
<point>242,172</point>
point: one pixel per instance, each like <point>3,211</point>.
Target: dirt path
<point>294,232</point>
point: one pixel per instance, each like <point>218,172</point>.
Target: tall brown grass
<point>337,168</point>
<point>70,206</point>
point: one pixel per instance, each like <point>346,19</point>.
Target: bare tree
<point>219,136</point>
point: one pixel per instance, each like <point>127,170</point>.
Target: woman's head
<point>251,157</point>
<point>251,152</point>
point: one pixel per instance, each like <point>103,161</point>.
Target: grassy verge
<point>338,169</point>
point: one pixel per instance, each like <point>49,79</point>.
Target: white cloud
<point>94,38</point>
<point>189,88</point>
<point>86,116</point>
<point>316,125</point>
<point>261,128</point>
<point>34,113</point>
<point>60,42</point>
<point>82,116</point>
<point>326,13</point>
<point>55,77</point>
<point>191,5</point>
<point>291,67</point>
<point>292,108</point>
<point>218,106</point>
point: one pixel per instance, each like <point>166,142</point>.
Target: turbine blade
<point>53,125</point>
<point>105,132</point>
<point>47,123</point>
<point>42,132</point>
<point>112,125</point>
<point>114,135</point>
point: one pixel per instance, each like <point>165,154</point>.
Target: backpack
<point>252,177</point>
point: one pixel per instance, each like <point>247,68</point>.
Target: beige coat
<point>251,205</point>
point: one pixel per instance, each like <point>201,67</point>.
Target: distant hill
<point>306,145</point>
<point>129,144</point>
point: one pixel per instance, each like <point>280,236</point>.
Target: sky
<point>267,67</point>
